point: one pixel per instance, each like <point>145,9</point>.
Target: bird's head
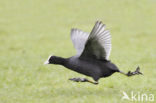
<point>50,60</point>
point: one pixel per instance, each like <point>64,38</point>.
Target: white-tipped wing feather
<point>98,45</point>
<point>79,39</point>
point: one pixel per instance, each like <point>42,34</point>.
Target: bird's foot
<point>78,79</point>
<point>82,80</point>
<point>136,72</point>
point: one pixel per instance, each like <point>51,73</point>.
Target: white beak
<point>47,61</point>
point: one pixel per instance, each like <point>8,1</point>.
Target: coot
<point>92,58</point>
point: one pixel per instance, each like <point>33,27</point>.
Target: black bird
<point>92,55</point>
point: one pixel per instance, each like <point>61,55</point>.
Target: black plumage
<point>92,55</point>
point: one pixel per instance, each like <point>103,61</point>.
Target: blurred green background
<point>30,30</point>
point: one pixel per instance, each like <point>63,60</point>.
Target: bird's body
<point>92,55</point>
<point>91,67</point>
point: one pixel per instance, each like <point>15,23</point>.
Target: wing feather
<point>79,39</point>
<point>98,45</point>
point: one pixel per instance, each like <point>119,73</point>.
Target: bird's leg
<point>136,72</point>
<point>82,80</point>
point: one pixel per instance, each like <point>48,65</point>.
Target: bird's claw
<point>83,80</point>
<point>78,79</point>
<point>136,72</point>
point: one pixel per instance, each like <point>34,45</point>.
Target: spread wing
<point>98,45</point>
<point>79,39</point>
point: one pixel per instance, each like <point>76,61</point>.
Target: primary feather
<point>98,45</point>
<point>79,39</point>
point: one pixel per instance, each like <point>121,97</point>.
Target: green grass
<point>30,30</point>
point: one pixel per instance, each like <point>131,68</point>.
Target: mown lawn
<point>30,30</point>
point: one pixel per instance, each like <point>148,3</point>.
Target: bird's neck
<point>59,60</point>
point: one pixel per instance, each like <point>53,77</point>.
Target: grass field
<point>30,30</point>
